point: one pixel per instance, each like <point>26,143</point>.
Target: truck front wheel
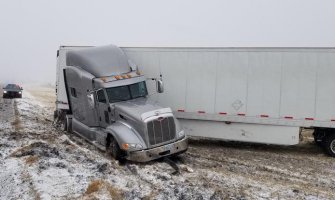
<point>329,144</point>
<point>115,150</point>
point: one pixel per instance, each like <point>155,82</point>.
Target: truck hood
<point>140,108</point>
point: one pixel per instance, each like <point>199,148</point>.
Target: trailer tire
<point>329,144</point>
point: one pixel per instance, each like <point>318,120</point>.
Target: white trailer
<point>261,95</point>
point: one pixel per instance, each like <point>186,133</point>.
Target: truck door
<point>103,109</point>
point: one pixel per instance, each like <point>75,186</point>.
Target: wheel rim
<point>332,146</point>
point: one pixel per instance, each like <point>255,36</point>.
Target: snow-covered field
<point>38,161</point>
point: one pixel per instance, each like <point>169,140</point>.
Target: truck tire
<point>115,150</point>
<point>55,115</point>
<point>63,125</point>
<point>329,144</point>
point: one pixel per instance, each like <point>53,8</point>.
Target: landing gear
<point>318,136</point>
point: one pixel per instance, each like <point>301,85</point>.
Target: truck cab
<point>108,105</point>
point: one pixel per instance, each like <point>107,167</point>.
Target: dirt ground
<point>37,161</point>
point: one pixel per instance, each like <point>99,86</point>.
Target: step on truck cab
<point>102,96</point>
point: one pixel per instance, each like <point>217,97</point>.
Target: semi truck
<point>258,95</point>
<point>102,96</point>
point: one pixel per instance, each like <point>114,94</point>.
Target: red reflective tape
<point>240,114</point>
<point>181,110</point>
<point>264,115</point>
<point>201,112</point>
<point>288,117</point>
<point>309,118</point>
<point>222,113</point>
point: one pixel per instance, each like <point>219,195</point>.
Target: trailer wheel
<point>329,144</point>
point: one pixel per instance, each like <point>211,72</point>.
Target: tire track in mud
<point>250,169</point>
<point>25,175</point>
<point>20,186</point>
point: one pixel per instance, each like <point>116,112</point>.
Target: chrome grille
<point>161,130</point>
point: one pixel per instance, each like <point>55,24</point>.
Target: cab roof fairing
<point>100,61</point>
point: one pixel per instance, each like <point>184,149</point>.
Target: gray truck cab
<point>109,106</point>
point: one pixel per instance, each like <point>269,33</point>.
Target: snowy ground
<point>39,162</point>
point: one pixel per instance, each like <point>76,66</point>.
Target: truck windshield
<point>127,92</point>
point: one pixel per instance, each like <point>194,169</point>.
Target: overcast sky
<point>31,31</point>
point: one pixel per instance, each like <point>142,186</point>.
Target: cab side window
<point>101,96</point>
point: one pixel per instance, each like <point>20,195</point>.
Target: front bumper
<point>179,146</point>
<point>11,94</point>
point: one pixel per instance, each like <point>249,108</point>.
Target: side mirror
<point>159,86</point>
<point>21,88</point>
<point>90,99</point>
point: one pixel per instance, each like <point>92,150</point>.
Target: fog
<point>31,31</point>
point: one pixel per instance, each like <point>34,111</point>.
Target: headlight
<point>20,92</point>
<point>5,92</point>
<point>181,134</point>
<point>127,146</point>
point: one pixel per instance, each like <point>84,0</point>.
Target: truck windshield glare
<point>127,92</point>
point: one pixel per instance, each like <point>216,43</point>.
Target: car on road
<point>12,91</point>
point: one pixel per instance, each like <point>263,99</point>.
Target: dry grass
<point>151,196</point>
<point>114,192</point>
<point>94,186</point>
<point>31,160</point>
<point>98,185</point>
<point>17,122</point>
<point>45,94</point>
<point>18,152</point>
<point>32,190</point>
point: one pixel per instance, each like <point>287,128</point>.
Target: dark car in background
<point>12,91</point>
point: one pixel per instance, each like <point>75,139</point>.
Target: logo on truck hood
<point>155,113</point>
